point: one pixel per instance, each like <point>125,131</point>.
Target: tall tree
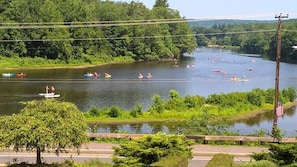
<point>44,125</point>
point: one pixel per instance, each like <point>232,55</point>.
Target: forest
<point>92,30</point>
<point>95,32</point>
<point>250,37</point>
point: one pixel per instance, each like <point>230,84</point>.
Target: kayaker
<point>46,89</point>
<point>52,89</point>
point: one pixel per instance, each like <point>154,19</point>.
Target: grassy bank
<point>177,117</point>
<point>29,63</point>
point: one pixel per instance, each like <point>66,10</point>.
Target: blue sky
<point>230,9</point>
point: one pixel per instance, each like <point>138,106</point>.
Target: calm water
<point>125,89</point>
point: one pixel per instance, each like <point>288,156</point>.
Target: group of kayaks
<point>106,75</point>
<point>95,74</point>
<point>13,75</point>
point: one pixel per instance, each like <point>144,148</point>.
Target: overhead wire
<point>28,25</point>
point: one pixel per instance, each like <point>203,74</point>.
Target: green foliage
<point>256,98</point>
<point>78,41</point>
<point>277,133</point>
<point>177,108</point>
<point>171,162</point>
<point>290,94</point>
<point>136,111</point>
<point>67,163</point>
<point>151,149</point>
<point>42,125</point>
<point>280,154</point>
<point>173,94</point>
<point>262,163</point>
<point>221,160</point>
<point>159,104</point>
<point>115,112</point>
<point>194,101</point>
<point>202,125</point>
<point>93,112</point>
<point>258,37</point>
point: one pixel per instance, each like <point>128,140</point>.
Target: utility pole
<point>278,56</point>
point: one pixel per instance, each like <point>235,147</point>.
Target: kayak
<point>20,75</point>
<point>49,95</point>
<point>8,75</point>
<point>107,75</point>
<point>43,94</point>
<point>88,75</point>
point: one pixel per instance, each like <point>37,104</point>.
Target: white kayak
<point>49,95</point>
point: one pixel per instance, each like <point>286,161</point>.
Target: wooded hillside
<point>83,30</point>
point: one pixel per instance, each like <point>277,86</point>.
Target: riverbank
<point>42,63</point>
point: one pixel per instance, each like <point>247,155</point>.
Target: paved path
<point>201,154</point>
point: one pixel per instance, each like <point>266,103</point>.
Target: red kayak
<point>20,75</point>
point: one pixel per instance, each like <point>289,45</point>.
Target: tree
<point>161,3</point>
<point>44,125</point>
<point>150,149</point>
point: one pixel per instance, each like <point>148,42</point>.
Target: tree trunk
<point>38,155</point>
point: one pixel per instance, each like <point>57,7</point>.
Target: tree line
<point>88,30</point>
<point>253,38</point>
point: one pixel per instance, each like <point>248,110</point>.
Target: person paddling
<point>46,89</point>
<point>52,89</point>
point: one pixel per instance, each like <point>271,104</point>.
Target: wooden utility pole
<point>278,56</point>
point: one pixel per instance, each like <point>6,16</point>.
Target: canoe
<point>7,74</point>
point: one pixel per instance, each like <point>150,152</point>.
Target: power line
<point>134,37</point>
<point>34,25</point>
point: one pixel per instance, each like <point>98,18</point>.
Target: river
<point>206,71</point>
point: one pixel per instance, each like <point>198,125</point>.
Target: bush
<point>263,163</point>
<point>221,160</point>
<point>136,111</point>
<point>150,149</point>
<point>115,111</point>
<point>171,162</point>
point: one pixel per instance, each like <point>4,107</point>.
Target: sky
<point>230,9</point>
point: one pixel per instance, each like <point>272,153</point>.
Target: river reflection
<point>124,89</point>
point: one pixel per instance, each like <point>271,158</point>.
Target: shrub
<point>171,162</point>
<point>194,101</point>
<point>159,104</point>
<point>115,111</point>
<point>150,149</point>
<point>221,160</point>
<point>136,111</point>
<point>263,163</point>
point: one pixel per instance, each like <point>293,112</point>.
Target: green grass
<point>38,62</point>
